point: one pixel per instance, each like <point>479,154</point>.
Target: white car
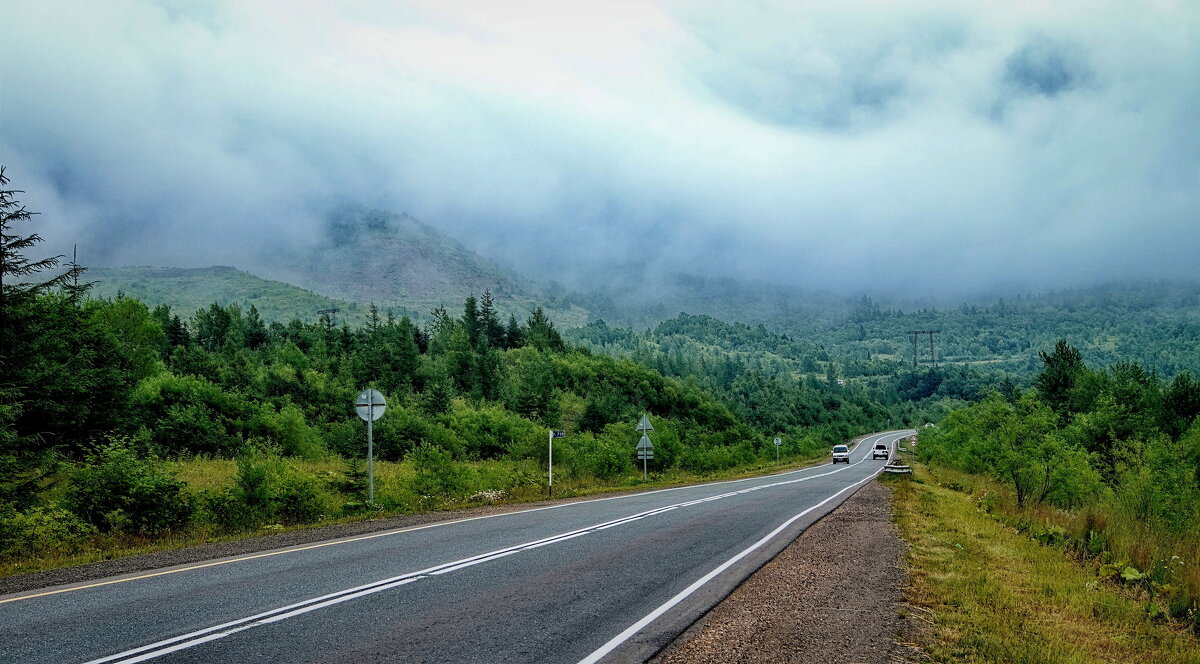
<point>841,453</point>
<point>880,451</point>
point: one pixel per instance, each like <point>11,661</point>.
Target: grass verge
<point>986,593</point>
<point>491,482</point>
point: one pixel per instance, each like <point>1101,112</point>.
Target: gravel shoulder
<point>834,595</point>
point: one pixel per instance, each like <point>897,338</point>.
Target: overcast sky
<point>934,147</point>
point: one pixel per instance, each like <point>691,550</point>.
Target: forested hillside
<point>114,416</point>
<point>189,289</point>
<point>755,369</point>
<point>1156,325</point>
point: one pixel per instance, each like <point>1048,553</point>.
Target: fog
<point>915,149</point>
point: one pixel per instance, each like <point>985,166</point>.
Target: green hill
<point>187,289</point>
<point>395,260</point>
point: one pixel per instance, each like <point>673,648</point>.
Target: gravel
<point>834,595</point>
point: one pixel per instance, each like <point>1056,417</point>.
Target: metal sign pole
<point>645,448</point>
<point>551,464</point>
<point>370,455</point>
<point>370,405</point>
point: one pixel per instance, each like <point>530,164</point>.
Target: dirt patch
<point>834,595</point>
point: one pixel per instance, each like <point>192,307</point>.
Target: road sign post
<point>550,465</point>
<point>778,442</point>
<point>370,405</point>
<point>645,448</point>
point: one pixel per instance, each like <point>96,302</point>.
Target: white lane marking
<point>206,635</point>
<point>636,627</point>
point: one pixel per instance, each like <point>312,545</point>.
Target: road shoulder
<point>833,595</point>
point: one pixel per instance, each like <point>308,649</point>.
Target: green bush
<point>401,430</point>
<point>266,490</point>
<point>602,457</point>
<point>187,414</point>
<point>437,474</point>
<point>40,530</point>
<point>705,460</point>
<point>288,429</point>
<point>490,431</point>
<point>119,491</point>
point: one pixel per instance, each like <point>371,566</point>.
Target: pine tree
<point>514,337</point>
<point>13,263</point>
<point>540,332</point>
<point>493,330</point>
<point>472,322</point>
<point>1062,370</point>
<point>256,330</point>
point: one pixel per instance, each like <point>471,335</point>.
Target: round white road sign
<point>369,405</point>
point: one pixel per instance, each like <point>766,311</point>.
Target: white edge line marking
<point>636,627</point>
<point>274,615</point>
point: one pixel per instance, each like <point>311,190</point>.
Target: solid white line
<point>624,636</point>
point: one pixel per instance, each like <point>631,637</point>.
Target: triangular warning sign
<point>644,425</point>
<point>644,443</point>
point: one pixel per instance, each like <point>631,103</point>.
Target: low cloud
<point>915,148</point>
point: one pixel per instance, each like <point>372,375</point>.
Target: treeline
<point>1155,325</point>
<point>1105,462</point>
<point>103,400</point>
<point>778,382</point>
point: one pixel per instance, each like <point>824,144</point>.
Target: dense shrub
<point>437,474</point>
<point>267,490</point>
<point>116,490</point>
<point>41,530</point>
<point>603,457</point>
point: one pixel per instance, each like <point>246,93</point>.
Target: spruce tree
<point>493,330</point>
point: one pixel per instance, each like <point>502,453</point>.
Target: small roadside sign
<point>554,433</point>
<point>644,445</point>
<point>645,425</point>
<point>370,405</point>
<point>645,448</point>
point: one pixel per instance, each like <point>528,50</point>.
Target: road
<point>611,579</point>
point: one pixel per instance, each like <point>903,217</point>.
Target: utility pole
<point>332,315</point>
<point>932,353</point>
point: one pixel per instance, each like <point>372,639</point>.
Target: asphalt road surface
<point>612,579</point>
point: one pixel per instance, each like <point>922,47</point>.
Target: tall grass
<point>1157,564</point>
<point>985,592</point>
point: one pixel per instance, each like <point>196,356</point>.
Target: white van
<point>841,453</point>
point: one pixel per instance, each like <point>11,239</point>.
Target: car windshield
<point>840,448</point>
<point>881,446</point>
